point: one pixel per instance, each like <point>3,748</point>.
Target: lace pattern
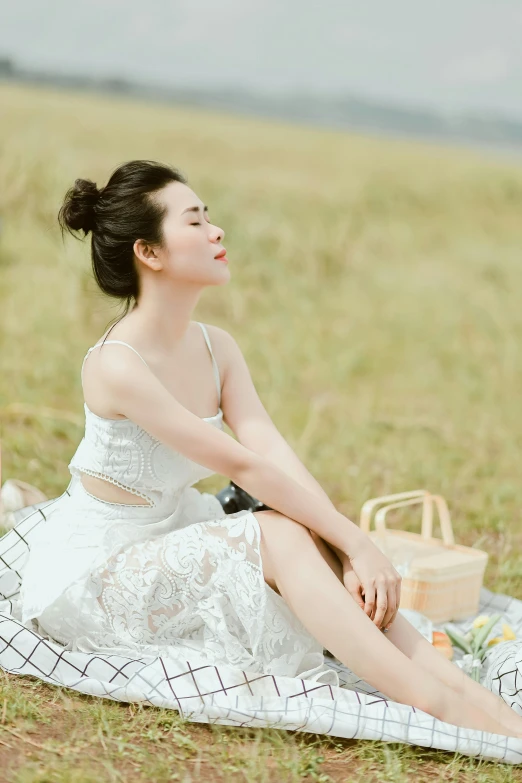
<point>122,453</point>
<point>197,592</point>
<point>173,577</point>
<point>170,588</point>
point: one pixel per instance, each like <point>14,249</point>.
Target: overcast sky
<point>448,54</point>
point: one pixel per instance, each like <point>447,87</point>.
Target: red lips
<point>221,254</point>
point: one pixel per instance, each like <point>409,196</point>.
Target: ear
<point>147,255</point>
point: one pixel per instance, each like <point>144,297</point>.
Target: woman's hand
<point>352,582</point>
<point>370,575</point>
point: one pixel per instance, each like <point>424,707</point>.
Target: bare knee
<point>280,536</point>
<point>277,523</point>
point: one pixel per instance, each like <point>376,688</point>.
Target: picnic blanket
<point>226,695</point>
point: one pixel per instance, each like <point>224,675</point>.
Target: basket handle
<point>427,516</point>
<point>371,505</point>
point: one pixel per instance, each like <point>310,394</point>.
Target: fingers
<point>369,599</point>
<point>376,603</point>
<point>382,597</point>
<point>391,596</point>
<point>356,595</point>
<point>391,609</point>
<point>398,591</point>
<point>382,603</point>
<point>395,590</point>
<point>354,587</point>
<point>397,598</point>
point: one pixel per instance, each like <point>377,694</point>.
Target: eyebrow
<point>195,209</point>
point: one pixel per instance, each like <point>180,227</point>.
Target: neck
<point>164,314</point>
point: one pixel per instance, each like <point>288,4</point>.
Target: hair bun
<point>79,207</point>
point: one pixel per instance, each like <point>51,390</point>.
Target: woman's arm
<point>136,393</point>
<point>279,452</point>
<point>133,390</point>
<point>253,427</point>
<point>249,420</point>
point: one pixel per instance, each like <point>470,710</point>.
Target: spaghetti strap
<point>207,340</point>
<point>214,362</point>
<point>120,342</point>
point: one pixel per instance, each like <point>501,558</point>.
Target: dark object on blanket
<point>233,499</point>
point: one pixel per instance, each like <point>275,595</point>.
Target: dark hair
<point>117,215</point>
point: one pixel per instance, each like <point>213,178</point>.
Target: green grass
<point>375,292</point>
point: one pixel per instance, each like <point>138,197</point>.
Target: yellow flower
<point>507,632</point>
<point>507,635</point>
<point>478,622</point>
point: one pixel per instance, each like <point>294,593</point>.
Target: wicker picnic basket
<point>440,579</point>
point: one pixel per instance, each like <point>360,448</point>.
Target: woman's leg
<point>326,553</point>
<point>413,644</point>
<point>314,593</point>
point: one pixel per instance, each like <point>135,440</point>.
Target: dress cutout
<point>167,606</point>
<point>127,456</point>
<point>173,577</point>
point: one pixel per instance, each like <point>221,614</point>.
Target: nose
<point>218,233</point>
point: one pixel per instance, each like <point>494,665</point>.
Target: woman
<point>135,558</point>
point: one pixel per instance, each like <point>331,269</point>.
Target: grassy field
<point>376,293</point>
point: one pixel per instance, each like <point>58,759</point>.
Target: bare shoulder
<point>106,370</point>
<point>224,346</point>
<point>218,334</point>
<point>243,409</point>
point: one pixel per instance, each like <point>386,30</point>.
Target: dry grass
<point>375,291</point>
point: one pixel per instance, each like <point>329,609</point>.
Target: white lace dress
<point>175,577</point>
<point>165,604</point>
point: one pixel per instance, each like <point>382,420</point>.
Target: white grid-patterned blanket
<point>222,694</point>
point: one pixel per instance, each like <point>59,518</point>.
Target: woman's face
<point>191,240</point>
